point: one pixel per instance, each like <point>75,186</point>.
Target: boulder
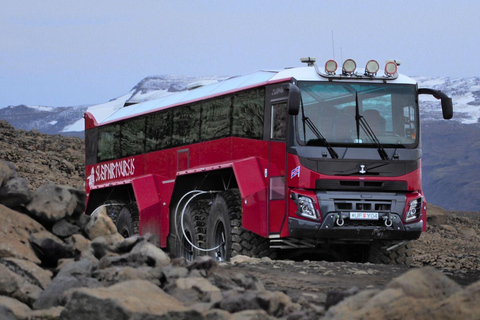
<point>99,247</point>
<point>15,230</point>
<point>15,192</point>
<point>436,216</point>
<point>12,306</point>
<point>467,231</point>
<point>251,315</point>
<point>78,242</point>
<point>113,275</point>
<point>18,287</point>
<point>461,305</point>
<point>64,229</point>
<point>136,299</point>
<point>27,269</point>
<point>50,248</point>
<point>7,172</point>
<point>56,292</point>
<point>274,303</point>
<point>425,283</point>
<point>82,268</point>
<point>155,256</point>
<point>80,198</point>
<point>418,294</point>
<point>100,225</point>
<point>51,203</point>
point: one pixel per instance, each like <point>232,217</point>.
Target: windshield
<point>335,109</point>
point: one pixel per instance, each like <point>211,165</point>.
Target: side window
<point>248,114</point>
<point>133,137</point>
<point>216,115</point>
<point>186,125</point>
<point>279,121</point>
<point>108,142</point>
<point>158,131</point>
<point>410,128</point>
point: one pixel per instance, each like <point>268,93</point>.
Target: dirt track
<point>451,244</point>
<point>310,281</point>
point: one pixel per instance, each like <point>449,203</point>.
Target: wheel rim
<point>187,248</point>
<point>219,241</point>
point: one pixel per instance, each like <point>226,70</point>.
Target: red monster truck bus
<point>301,159</point>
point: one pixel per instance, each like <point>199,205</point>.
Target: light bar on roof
<point>390,68</point>
<point>349,66</point>
<point>371,68</point>
<point>330,67</point>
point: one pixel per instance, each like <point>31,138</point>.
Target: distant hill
<point>451,149</point>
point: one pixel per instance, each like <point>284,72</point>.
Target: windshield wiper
<point>320,137</point>
<point>361,122</point>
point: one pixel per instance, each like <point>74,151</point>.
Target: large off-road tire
<point>194,229</point>
<point>225,231</point>
<point>127,220</point>
<point>402,254</point>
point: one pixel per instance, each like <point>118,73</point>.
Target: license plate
<point>364,215</point>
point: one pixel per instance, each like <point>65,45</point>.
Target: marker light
<point>390,68</point>
<point>330,67</point>
<point>349,66</point>
<point>371,68</point>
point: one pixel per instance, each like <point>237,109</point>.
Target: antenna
<point>333,47</point>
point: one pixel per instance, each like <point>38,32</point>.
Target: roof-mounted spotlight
<point>349,67</point>
<point>309,61</point>
<point>390,68</point>
<point>371,68</point>
<point>330,67</point>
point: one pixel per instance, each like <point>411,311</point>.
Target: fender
<point>152,194</point>
<point>251,177</point>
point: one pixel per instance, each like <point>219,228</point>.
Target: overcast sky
<point>62,53</point>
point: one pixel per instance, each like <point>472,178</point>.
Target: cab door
<point>277,166</point>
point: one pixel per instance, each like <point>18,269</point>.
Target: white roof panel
<point>228,85</point>
<point>232,84</point>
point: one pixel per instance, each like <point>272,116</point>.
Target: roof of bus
<point>231,85</point>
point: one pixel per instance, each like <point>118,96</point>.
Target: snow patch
<point>100,112</point>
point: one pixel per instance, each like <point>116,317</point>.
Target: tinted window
<point>133,137</point>
<point>108,142</point>
<point>279,121</point>
<point>186,125</point>
<point>216,119</point>
<point>158,131</point>
<point>248,113</point>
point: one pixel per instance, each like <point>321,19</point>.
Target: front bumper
<point>354,229</point>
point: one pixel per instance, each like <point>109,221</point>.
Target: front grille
<point>362,205</point>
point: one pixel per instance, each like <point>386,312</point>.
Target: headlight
<point>414,210</point>
<point>306,207</point>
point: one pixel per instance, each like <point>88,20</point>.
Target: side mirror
<point>293,99</point>
<point>447,104</point>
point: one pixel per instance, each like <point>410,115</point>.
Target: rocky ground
<point>48,252</point>
<point>41,157</point>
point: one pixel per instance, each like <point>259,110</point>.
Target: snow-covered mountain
<point>465,93</point>
<point>69,120</point>
<point>451,149</point>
